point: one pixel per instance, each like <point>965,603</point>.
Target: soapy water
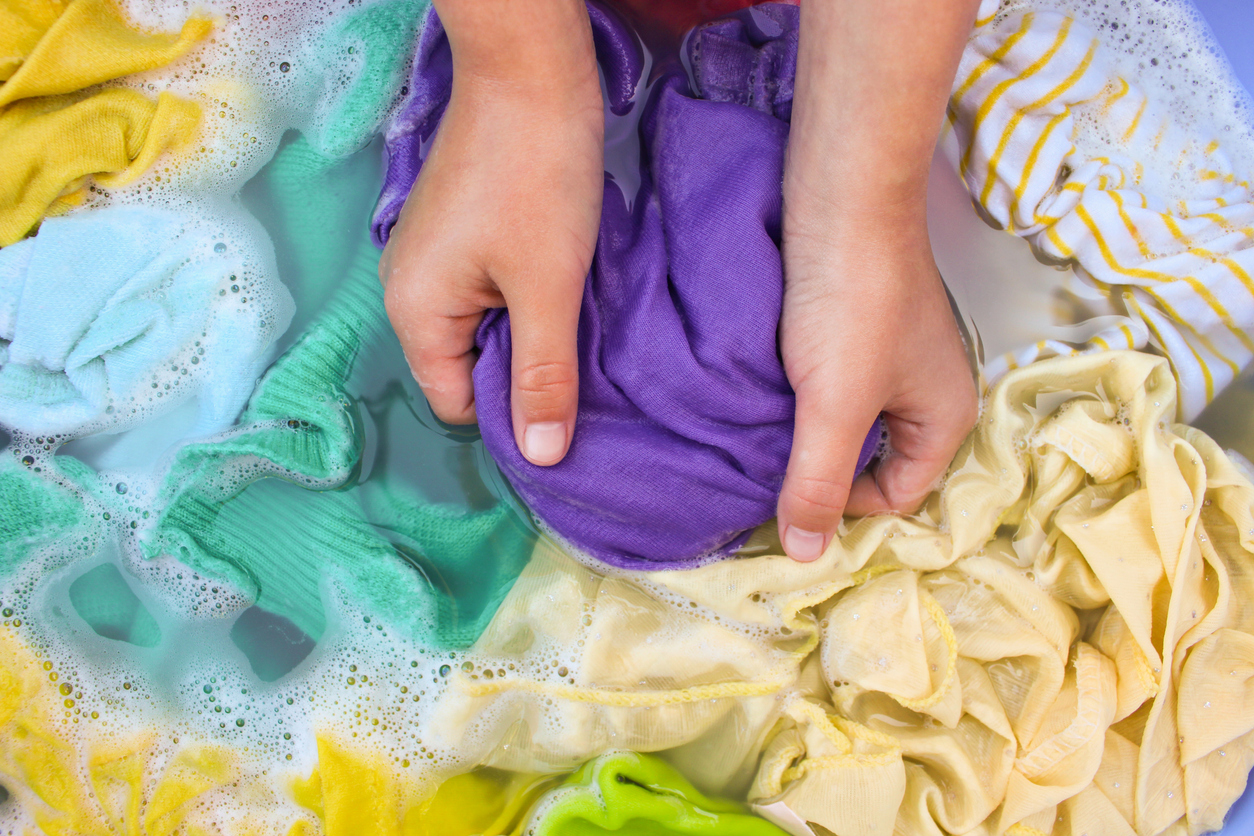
<point>151,643</point>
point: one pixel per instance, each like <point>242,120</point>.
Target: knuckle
<point>964,414</point>
<point>819,496</point>
<point>546,386</point>
<point>451,413</point>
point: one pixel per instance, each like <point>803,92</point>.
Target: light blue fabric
<point>110,315</point>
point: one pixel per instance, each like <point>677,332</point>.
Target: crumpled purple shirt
<point>685,414</point>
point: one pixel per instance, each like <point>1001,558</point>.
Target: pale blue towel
<point>109,316</point>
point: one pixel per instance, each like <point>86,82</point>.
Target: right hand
<point>504,213</point>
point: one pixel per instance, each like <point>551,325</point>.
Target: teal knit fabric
<point>275,506</point>
<point>377,43</point>
<point>37,508</point>
<point>320,487</point>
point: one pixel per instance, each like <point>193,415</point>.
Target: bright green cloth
<point>640,795</point>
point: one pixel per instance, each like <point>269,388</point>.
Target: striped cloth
<point>1058,147</point>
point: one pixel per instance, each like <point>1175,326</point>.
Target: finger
<point>920,453</point>
<point>827,439</point>
<point>545,369</point>
<point>439,349</point>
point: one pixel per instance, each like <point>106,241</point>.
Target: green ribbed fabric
<point>35,509</point>
<point>275,506</point>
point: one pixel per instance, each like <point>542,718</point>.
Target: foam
<point>367,682</point>
<point>1167,49</point>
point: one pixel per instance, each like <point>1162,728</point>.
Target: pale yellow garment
<point>53,138</point>
<point>1062,642</point>
<point>581,663</point>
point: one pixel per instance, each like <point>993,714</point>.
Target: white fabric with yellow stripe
<point>1058,145</point>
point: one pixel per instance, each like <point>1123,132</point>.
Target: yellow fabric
<point>22,24</point>
<point>352,792</point>
<point>90,43</point>
<point>52,145</point>
<point>53,137</point>
<point>1060,148</point>
<point>74,779</point>
<point>127,784</point>
<point>1062,641</point>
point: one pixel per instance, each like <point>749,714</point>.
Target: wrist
<point>856,221</point>
<point>534,46</point>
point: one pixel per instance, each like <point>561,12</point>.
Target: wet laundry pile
<point>249,584</point>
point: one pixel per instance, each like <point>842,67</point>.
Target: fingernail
<point>801,545</point>
<point>545,442</point>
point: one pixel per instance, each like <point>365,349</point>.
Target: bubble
<point>219,248</point>
<point>284,67</point>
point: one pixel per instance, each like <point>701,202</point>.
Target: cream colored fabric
<point>1062,642</point>
<point>1060,147</point>
<point>575,663</point>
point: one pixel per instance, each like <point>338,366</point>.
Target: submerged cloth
<point>38,510</point>
<point>129,783</point>
<point>623,792</point>
<point>1058,144</point>
<point>111,315</point>
<point>52,136</point>
<point>371,48</point>
<point>293,461</point>
<point>619,792</point>
<point>685,413</point>
<point>1062,641</point>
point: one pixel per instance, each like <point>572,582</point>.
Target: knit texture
<point>54,136</point>
<point>275,507</point>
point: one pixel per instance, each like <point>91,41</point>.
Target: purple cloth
<point>685,413</point>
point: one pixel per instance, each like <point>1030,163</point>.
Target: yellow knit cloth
<point>53,137</point>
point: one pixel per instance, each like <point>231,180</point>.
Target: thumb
<point>544,394</point>
<point>925,438</point>
<point>827,439</point>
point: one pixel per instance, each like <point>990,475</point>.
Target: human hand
<point>866,326</point>
<point>867,329</point>
<point>504,214</point>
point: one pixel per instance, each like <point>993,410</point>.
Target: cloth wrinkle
<point>55,136</point>
<point>925,675</point>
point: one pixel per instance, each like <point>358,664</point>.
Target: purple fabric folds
<point>685,413</point>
